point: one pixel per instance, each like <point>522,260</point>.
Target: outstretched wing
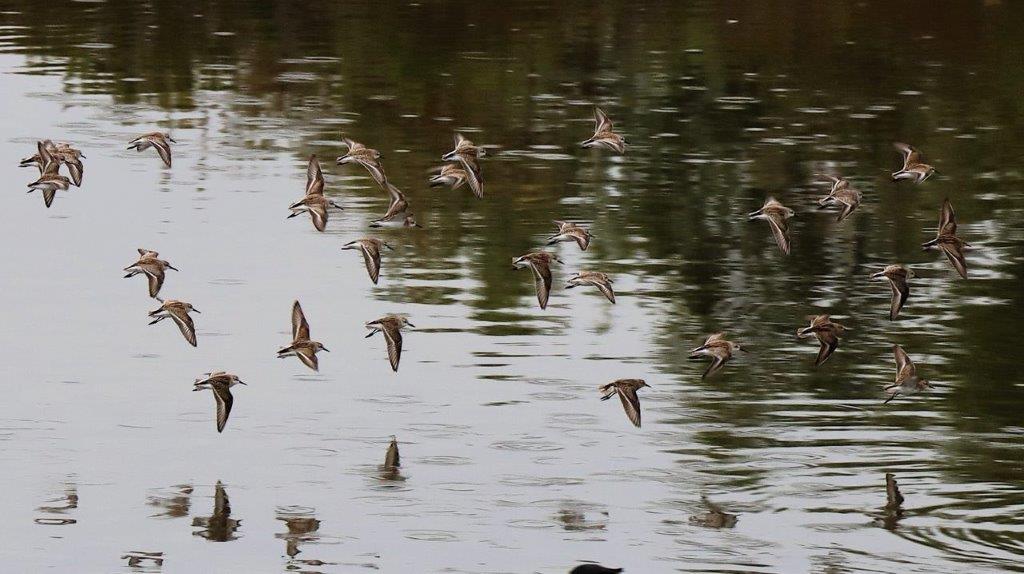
<point>472,169</point>
<point>314,177</point>
<point>163,148</point>
<point>308,357</point>
<point>903,362</point>
<point>947,219</point>
<point>631,403</point>
<point>300,327</point>
<point>602,123</point>
<point>222,395</point>
<point>900,292</point>
<point>185,324</point>
<point>542,281</point>
<point>371,257</point>
<point>955,254</point>
<point>829,342</point>
<point>393,337</point>
<point>780,229</point>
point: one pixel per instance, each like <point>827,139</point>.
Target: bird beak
<point>197,310</point>
<point>242,383</point>
<point>168,137</point>
<point>322,348</point>
<point>410,324</point>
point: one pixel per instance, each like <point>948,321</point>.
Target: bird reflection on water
<point>219,526</point>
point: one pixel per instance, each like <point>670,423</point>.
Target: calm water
<point>510,461</point>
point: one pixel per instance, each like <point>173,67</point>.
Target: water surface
<point>510,461</point>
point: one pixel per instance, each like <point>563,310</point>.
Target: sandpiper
<point>718,349</point>
<point>302,347</point>
<point>603,134</point>
<point>897,275</point>
<point>398,214</point>
<point>161,141</point>
<point>570,232</point>
<point>595,278</point>
<point>540,263</point>
<point>179,311</point>
<point>626,389</point>
<point>63,153</point>
<point>391,326</point>
<point>776,215</point>
<point>366,157</point>
<point>947,241</point>
<point>453,176</point>
<point>314,203</point>
<point>841,194</point>
<point>371,254</point>
<point>913,168</point>
<point>150,264</point>
<point>468,155</point>
<point>220,383</point>
<point>907,381</point>
<point>827,333</point>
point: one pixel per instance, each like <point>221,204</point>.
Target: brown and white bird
<point>391,326</point>
<point>367,157</point>
<point>179,311</point>
<point>947,241</point>
<point>153,267</point>
<point>913,166</point>
<point>776,215</point>
<point>604,136</point>
<point>907,382</point>
<point>540,263</point>
<point>220,383</point>
<point>453,176</point>
<point>314,203</point>
<point>571,232</point>
<point>398,214</point>
<point>593,278</point>
<point>370,247</point>
<point>719,349</point>
<point>468,155</point>
<point>897,275</point>
<point>50,180</point>
<point>827,332</point>
<point>842,194</point>
<point>161,141</point>
<point>302,346</point>
<point>626,389</point>
<point>64,154</point>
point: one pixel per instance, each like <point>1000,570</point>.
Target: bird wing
<point>602,123</point>
<point>955,253</point>
<point>903,363</point>
<point>631,403</point>
<point>308,357</point>
<point>393,337</point>
<point>900,292</point>
<point>375,169</point>
<point>185,324</point>
<point>472,169</point>
<point>300,327</point>
<point>542,281</point>
<point>371,257</point>
<point>581,237</point>
<point>155,275</point>
<point>314,177</point>
<point>163,148</point>
<point>829,342</point>
<point>717,362</point>
<point>318,215</point>
<point>48,195</point>
<point>222,395</point>
<point>947,219</point>
<point>605,287</point>
<point>75,168</point>
<point>910,155</point>
<point>780,229</point>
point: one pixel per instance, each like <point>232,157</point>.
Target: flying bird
<point>947,241</point>
<point>776,215</point>
<point>540,263</point>
<point>720,351</point>
<point>897,275</point>
<point>391,326</point>
<point>571,232</point>
<point>153,267</point>
<point>161,141</point>
<point>913,167</point>
<point>302,346</point>
<point>370,247</point>
<point>907,382</point>
<point>842,195</point>
<point>594,278</point>
<point>468,154</point>
<point>366,157</point>
<point>220,383</point>
<point>604,136</point>
<point>179,311</point>
<point>827,332</point>
<point>626,389</point>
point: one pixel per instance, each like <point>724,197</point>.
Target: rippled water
<point>510,461</point>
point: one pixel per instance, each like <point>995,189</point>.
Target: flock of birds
<point>463,169</point>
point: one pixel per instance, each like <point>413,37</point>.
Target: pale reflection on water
<point>510,463</point>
